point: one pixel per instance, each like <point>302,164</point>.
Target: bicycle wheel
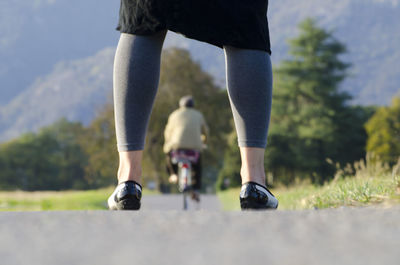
<point>185,203</point>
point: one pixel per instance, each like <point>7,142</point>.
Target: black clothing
<point>238,23</point>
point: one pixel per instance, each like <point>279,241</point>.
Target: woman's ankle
<point>256,175</point>
<point>252,168</point>
<point>130,166</point>
<point>123,177</point>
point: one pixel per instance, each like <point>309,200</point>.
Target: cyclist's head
<point>186,101</point>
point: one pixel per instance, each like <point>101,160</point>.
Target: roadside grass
<point>57,200</point>
<point>371,183</point>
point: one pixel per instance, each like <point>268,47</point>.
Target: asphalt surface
<point>335,236</point>
<point>175,202</point>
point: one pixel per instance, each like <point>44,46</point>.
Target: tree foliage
<point>49,160</point>
<point>384,132</point>
<point>100,144</point>
<point>310,118</point>
<point>229,175</point>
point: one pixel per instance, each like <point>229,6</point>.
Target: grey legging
<point>136,77</point>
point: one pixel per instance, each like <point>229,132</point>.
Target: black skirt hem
<point>239,23</point>
<point>219,44</point>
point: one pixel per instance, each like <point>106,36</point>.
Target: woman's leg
<point>136,76</point>
<point>249,79</point>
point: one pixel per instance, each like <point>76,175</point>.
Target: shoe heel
<point>244,205</point>
<point>129,204</point>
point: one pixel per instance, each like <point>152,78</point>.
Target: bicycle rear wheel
<point>185,202</point>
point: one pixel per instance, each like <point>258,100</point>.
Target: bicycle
<point>183,159</point>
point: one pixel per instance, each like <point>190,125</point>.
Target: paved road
<point>342,236</point>
<point>175,202</point>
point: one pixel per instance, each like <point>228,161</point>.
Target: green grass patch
<point>355,192</point>
<point>57,200</point>
<point>350,191</point>
<point>229,199</point>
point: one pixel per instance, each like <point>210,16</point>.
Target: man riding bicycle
<point>186,132</point>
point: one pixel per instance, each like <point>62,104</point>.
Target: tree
<point>384,132</point>
<point>49,160</point>
<point>310,117</point>
<point>229,175</point>
<point>69,157</point>
<point>100,144</point>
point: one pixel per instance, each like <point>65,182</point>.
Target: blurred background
<point>336,94</point>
